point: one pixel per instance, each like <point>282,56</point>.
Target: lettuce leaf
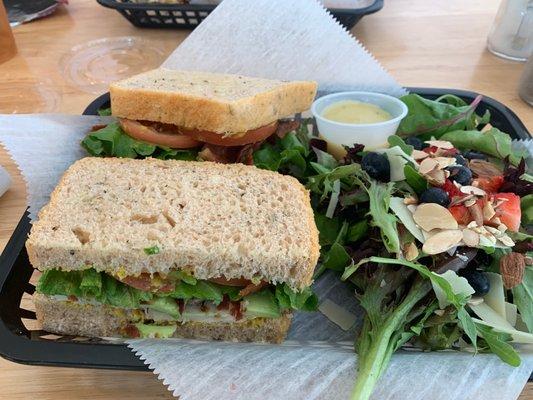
<point>380,195</point>
<point>492,142</point>
<point>94,285</point>
<point>304,300</point>
<point>112,141</point>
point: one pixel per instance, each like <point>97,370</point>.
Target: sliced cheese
<point>459,286</point>
<point>495,298</point>
<point>397,160</point>
<point>491,318</point>
<point>337,314</point>
<point>406,217</point>
<point>511,313</point>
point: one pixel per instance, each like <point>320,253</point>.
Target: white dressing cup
<point>373,135</point>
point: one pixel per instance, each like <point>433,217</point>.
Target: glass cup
<point>511,35</point>
<point>7,41</point>
<point>525,88</point>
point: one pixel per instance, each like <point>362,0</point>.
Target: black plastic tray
<point>187,16</point>
<point>19,344</point>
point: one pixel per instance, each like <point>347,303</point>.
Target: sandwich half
<point>218,116</point>
<point>153,248</point>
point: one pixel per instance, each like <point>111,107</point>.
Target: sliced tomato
<point>452,190</point>
<point>490,184</point>
<point>252,136</point>
<point>164,136</point>
<point>461,214</point>
<point>237,282</point>
<point>508,211</point>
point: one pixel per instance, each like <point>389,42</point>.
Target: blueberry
<point>474,155</point>
<point>435,195</point>
<point>416,143</point>
<point>460,160</point>
<point>377,166</point>
<point>460,174</point>
<point>478,280</point>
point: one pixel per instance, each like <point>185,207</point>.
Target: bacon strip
<point>252,288</point>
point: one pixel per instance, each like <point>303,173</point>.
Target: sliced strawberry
<point>508,211</point>
<point>490,184</point>
<point>452,190</point>
<point>461,214</point>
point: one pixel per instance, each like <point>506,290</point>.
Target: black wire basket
<point>189,16</point>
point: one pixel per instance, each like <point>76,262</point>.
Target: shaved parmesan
<point>495,298</point>
<point>397,160</point>
<point>511,313</point>
<point>491,318</point>
<point>406,218</point>
<point>459,286</point>
<point>338,315</point>
<point>518,336</point>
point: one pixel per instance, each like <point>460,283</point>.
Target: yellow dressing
<point>355,112</point>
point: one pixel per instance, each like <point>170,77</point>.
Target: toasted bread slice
<point>126,217</point>
<point>226,104</point>
<point>94,320</point>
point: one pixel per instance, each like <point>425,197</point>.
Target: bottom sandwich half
<point>63,316</point>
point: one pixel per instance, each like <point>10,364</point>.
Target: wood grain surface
<point>421,43</point>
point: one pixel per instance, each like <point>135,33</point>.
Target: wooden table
<point>422,43</point>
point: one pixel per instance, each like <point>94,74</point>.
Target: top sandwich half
<point>128,217</point>
<point>227,105</point>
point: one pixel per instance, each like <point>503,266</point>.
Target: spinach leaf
<point>436,117</point>
<point>492,142</point>
<point>414,179</point>
<point>395,140</point>
<point>104,112</point>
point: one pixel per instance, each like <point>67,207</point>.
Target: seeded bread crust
<point>206,218</point>
<point>77,319</point>
<point>226,104</point>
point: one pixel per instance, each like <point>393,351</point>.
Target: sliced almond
<point>472,224</point>
<point>475,301</point>
<point>437,177</point>
<point>444,162</point>
<point>442,241</point>
<point>494,231</point>
<point>502,228</point>
<point>488,211</point>
<point>470,238</point>
<point>441,144</point>
<point>470,202</point>
<point>410,251</point>
<point>410,200</point>
<point>472,190</point>
<point>419,155</point>
<point>476,213</point>
<point>486,128</point>
<point>506,240</point>
<point>433,216</point>
<point>496,221</point>
<point>427,165</point>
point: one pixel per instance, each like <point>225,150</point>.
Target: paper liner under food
<point>43,146</point>
<point>280,39</point>
<point>223,371</point>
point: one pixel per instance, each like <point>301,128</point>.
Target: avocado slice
<point>262,304</point>
<point>156,331</point>
<point>165,305</point>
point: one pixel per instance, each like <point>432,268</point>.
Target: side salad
<point>433,232</point>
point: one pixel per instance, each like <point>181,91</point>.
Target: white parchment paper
<point>280,39</point>
<point>317,361</point>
